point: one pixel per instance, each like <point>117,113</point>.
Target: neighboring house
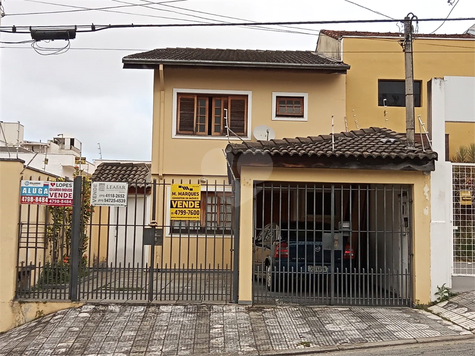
<point>58,156</point>
<point>375,82</point>
<point>121,243</point>
<point>366,181</point>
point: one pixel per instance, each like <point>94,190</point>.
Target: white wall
<point>442,105</point>
<point>459,99</point>
<point>126,235</point>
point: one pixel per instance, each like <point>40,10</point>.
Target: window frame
<point>208,93</point>
<point>291,117</point>
<point>381,103</point>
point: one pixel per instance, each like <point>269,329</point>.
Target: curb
<point>362,346</point>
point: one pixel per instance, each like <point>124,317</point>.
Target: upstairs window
<point>289,106</point>
<point>206,114</point>
<point>393,93</point>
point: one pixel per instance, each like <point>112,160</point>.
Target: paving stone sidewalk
<point>199,329</point>
<point>460,310</point>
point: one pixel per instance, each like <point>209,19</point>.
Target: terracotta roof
<point>365,143</point>
<point>339,34</point>
<point>234,58</point>
<point>122,172</point>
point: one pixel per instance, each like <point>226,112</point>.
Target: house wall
<point>420,218</point>
<point>192,156</point>
<point>382,58</point>
<point>329,47</point>
<point>12,313</point>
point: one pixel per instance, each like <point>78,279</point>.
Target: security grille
<point>332,244</point>
<point>463,183</point>
<point>135,252</point>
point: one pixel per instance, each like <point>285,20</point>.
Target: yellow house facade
<point>206,101</point>
<point>375,82</point>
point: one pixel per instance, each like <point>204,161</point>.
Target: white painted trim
<point>275,94</point>
<point>211,91</point>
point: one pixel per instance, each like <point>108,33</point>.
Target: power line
<point>80,8</point>
<point>442,24</point>
<point>367,8</point>
<point>93,28</point>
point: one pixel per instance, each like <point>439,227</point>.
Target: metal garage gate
<point>346,244</point>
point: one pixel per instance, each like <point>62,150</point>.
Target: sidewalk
<point>198,329</point>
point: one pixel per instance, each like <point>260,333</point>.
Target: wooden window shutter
<point>186,114</point>
<point>237,115</point>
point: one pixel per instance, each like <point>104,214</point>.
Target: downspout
<point>161,120</point>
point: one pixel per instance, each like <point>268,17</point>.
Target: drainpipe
<point>161,120</point>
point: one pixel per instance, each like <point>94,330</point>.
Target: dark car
<point>297,251</point>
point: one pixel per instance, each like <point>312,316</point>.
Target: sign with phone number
<point>185,202</point>
<point>46,193</point>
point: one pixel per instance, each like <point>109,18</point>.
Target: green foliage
<point>465,154</point>
<point>443,293</point>
<point>59,233</point>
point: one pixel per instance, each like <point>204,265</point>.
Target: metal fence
<point>332,244</point>
<point>463,187</point>
<point>129,253</point>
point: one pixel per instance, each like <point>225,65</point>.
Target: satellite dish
<point>263,133</point>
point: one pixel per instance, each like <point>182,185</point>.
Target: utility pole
<point>409,90</point>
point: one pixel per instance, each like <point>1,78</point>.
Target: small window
<point>216,215</point>
<point>207,114</point>
<point>393,93</point>
<point>289,106</point>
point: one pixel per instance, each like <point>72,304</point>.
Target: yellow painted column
<point>245,240</point>
<point>9,209</point>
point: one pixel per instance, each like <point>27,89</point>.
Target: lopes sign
<point>185,202</point>
<point>46,193</point>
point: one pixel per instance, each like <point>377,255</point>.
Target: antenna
<point>354,118</point>
<point>385,111</point>
<point>333,134</point>
<point>423,128</point>
<point>100,151</point>
<point>263,133</point>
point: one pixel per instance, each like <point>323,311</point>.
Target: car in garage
<point>301,252</point>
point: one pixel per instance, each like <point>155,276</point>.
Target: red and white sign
<point>60,194</point>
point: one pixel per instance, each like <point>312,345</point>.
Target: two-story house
<point>324,218</point>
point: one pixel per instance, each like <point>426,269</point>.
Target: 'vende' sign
<point>46,193</point>
<point>185,202</point>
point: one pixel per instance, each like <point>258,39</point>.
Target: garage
<point>332,219</point>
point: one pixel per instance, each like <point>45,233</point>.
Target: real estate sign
<point>46,193</point>
<point>185,201</point>
<point>109,194</point>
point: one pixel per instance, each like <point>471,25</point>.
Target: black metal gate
<point>344,244</point>
<point>129,253</point>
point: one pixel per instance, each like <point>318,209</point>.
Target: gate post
<point>75,236</point>
<point>237,209</point>
<point>153,223</point>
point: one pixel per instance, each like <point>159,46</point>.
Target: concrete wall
<point>382,58</point>
<point>14,313</point>
<point>421,216</point>
<point>202,156</point>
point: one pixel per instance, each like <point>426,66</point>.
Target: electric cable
<point>367,8</point>
<point>95,28</point>
<point>453,7</point>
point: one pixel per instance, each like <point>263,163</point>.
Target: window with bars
<point>208,114</point>
<point>215,215</point>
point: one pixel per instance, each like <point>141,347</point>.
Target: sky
<point>84,92</point>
